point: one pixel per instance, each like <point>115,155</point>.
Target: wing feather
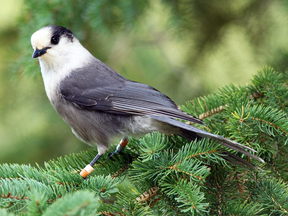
<point>107,91</point>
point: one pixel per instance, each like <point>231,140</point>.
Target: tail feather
<point>191,133</point>
<point>234,159</point>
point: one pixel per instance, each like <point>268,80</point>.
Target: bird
<point>98,103</point>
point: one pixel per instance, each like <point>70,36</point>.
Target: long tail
<point>191,133</point>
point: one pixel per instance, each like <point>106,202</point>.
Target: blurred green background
<point>184,48</point>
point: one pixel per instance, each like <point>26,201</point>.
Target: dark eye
<point>55,39</point>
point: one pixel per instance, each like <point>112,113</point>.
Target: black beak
<point>37,53</point>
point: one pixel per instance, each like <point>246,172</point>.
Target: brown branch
<point>283,107</point>
<point>276,171</point>
<point>219,198</point>
<point>109,213</point>
<point>10,178</point>
<point>39,210</point>
<point>9,196</point>
<point>238,184</point>
<point>120,171</point>
<point>147,195</point>
<point>190,174</point>
<point>256,95</point>
<point>155,201</point>
<point>270,124</point>
<point>195,155</point>
<point>209,113</point>
<point>248,197</point>
<point>279,205</point>
<point>212,112</point>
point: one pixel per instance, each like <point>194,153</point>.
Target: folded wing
<point>115,94</point>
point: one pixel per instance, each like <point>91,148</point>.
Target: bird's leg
<point>122,144</point>
<point>120,147</point>
<point>89,168</point>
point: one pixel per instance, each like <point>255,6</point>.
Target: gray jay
<point>98,103</point>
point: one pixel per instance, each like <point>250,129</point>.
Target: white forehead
<point>41,38</point>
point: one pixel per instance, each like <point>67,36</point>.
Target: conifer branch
<point>278,186</point>
<point>183,171</point>
<point>117,173</point>
<point>212,112</point>
<point>109,213</point>
<point>9,196</point>
<point>282,105</point>
<point>270,123</point>
<point>172,205</point>
<point>147,195</point>
<point>195,155</point>
<point>178,168</point>
<point>209,113</point>
<point>279,205</point>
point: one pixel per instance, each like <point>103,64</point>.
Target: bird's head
<point>57,48</point>
<point>52,42</point>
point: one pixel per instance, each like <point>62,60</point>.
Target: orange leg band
<point>124,142</point>
<point>86,171</point>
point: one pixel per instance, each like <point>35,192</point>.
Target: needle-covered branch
<point>160,174</point>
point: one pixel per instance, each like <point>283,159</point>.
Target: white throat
<point>55,68</point>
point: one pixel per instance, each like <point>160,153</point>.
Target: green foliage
<point>273,195</point>
<point>5,213</point>
<point>201,26</point>
<point>90,17</point>
<point>160,43</point>
<point>169,175</point>
<point>188,196</point>
<point>237,208</point>
<point>77,203</point>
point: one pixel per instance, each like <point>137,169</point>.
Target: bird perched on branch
<point>98,103</point>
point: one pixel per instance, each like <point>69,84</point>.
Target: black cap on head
<point>59,31</point>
